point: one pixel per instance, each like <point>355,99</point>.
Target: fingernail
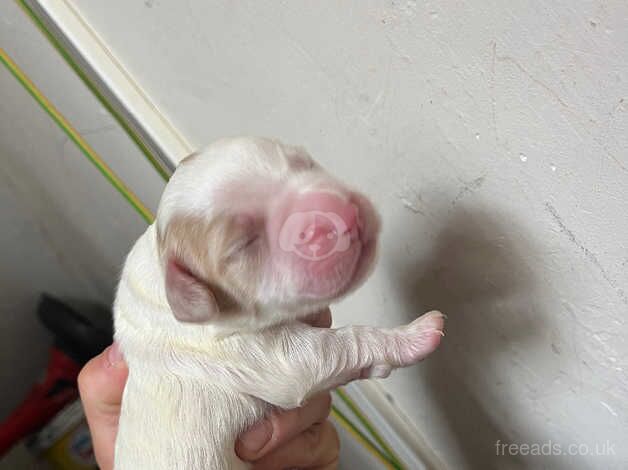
<point>114,355</point>
<point>257,437</point>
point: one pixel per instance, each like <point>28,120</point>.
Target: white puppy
<point>251,236</point>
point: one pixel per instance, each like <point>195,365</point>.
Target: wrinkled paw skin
<point>421,337</point>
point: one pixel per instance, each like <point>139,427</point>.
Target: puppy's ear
<point>190,299</point>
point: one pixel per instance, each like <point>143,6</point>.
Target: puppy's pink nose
<point>318,224</point>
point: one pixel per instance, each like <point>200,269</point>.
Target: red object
<point>43,402</point>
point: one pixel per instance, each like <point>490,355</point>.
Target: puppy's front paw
<point>421,337</point>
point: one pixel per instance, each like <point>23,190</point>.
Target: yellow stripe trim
<point>368,425</point>
<point>361,438</point>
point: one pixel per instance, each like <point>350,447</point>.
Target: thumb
<point>101,383</point>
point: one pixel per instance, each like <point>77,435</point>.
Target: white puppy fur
<point>208,306</point>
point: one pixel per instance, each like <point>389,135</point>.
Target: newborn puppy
<point>251,236</point>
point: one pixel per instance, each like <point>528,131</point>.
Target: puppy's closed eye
<point>244,238</point>
<point>251,241</point>
<point>243,246</point>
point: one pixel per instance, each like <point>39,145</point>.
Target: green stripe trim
<point>165,174</point>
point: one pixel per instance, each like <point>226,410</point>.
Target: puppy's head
<point>253,227</point>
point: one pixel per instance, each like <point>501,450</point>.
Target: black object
<point>74,334</point>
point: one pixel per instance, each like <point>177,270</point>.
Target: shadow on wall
<point>475,274</point>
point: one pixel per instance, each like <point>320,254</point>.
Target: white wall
<point>493,137</point>
<point>63,228</point>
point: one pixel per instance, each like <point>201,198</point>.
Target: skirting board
<point>402,435</point>
<point>88,51</point>
<point>110,78</point>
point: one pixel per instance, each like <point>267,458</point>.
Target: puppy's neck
<point>153,291</point>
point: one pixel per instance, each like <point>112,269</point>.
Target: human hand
<point>302,437</point>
